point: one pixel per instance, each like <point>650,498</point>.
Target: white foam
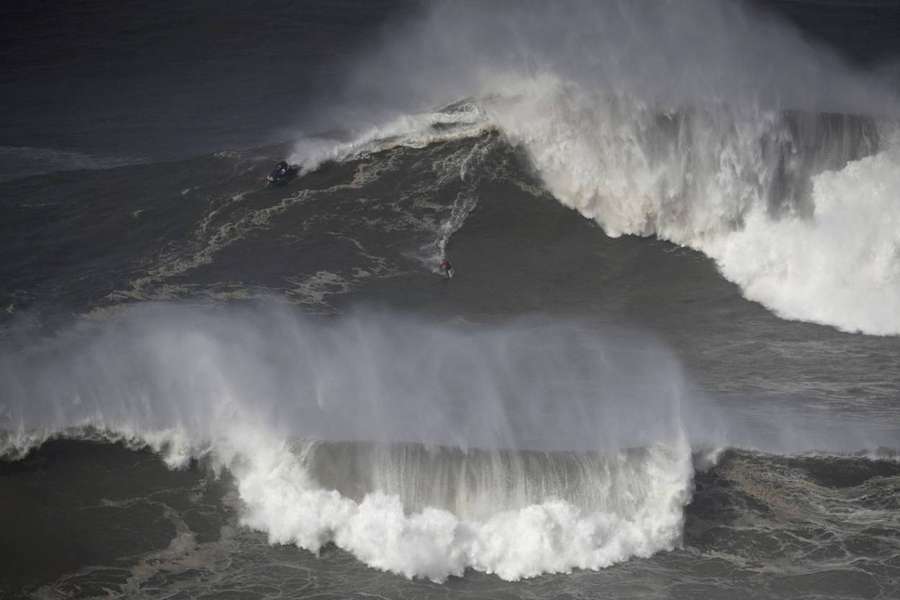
<point>643,515</point>
<point>840,267</point>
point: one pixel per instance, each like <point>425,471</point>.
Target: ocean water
<point>667,364</point>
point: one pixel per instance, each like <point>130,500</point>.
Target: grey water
<point>154,291</point>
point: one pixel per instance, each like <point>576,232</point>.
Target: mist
<point>535,383</point>
<point>670,54</point>
<point>530,384</point>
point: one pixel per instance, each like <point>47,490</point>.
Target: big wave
<point>701,123</point>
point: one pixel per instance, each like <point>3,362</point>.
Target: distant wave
<point>25,161</point>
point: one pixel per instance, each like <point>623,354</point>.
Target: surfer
<point>446,269</point>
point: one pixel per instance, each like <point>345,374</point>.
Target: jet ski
<point>282,173</point>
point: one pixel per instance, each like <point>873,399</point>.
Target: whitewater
<point>423,449</point>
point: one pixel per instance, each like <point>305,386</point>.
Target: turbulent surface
<point>666,366</point>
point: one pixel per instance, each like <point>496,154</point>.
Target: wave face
<point>516,450</point>
<point>786,177</point>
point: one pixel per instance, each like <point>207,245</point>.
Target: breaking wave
<point>422,449</point>
<point>785,177</point>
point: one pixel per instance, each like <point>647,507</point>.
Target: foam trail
<point>471,170</point>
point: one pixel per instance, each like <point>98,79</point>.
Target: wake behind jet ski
<point>282,173</point>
